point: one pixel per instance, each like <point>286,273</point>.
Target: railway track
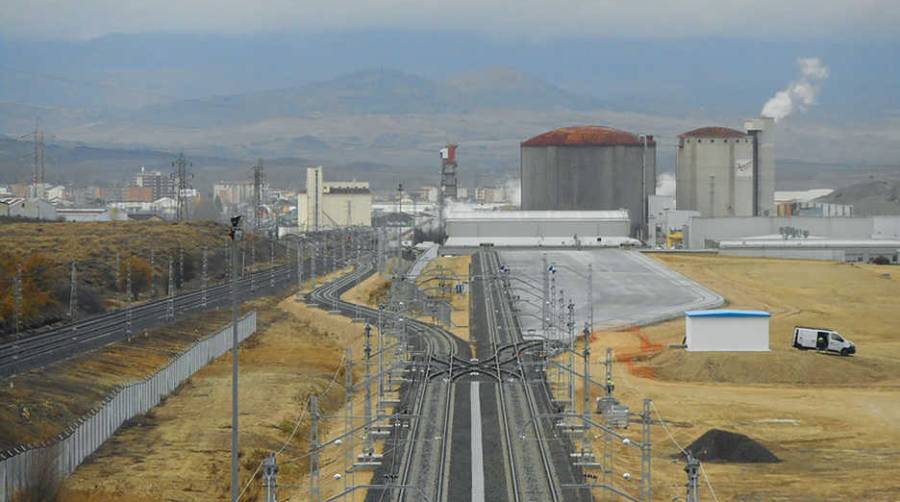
<point>35,350</point>
<point>531,470</point>
<point>421,453</point>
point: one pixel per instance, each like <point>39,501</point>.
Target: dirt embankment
<point>181,450</point>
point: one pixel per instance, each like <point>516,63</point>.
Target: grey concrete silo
<point>589,168</point>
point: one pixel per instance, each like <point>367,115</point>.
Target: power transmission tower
<point>37,176</point>
<point>181,187</point>
<point>258,179</point>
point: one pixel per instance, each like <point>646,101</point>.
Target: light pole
<point>236,235</point>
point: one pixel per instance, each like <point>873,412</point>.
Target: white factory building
<point>538,228</point>
<point>335,204</point>
<point>727,330</point>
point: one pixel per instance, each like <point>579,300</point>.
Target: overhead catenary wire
<point>296,427</point>
<point>662,421</point>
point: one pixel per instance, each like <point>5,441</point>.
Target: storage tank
<point>589,168</point>
<point>714,172</point>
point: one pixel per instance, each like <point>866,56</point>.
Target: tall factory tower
<point>448,180</point>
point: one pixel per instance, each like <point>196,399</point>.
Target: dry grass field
<point>298,352</point>
<point>832,421</point>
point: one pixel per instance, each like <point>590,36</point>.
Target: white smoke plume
<point>665,184</point>
<point>800,94</point>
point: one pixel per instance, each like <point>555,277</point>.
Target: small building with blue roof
<point>727,330</point>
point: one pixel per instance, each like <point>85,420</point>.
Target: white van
<point>822,339</point>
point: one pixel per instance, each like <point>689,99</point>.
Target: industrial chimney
<point>762,131</point>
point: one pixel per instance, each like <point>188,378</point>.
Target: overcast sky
<point>525,19</point>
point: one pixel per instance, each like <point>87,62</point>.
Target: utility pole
<point>180,267</point>
<point>152,273</point>
<point>590,284</point>
<point>646,486</point>
<point>693,484</point>
<point>204,276</point>
<point>181,186</point>
<point>348,417</point>
<point>258,180</point>
<point>367,413</point>
<point>270,478</point>
<point>118,274</point>
<point>236,235</point>
<point>586,390</point>
<point>314,449</point>
<point>17,299</point>
<point>252,262</point>
<point>170,309</point>
<point>73,294</point>
<point>128,313</point>
<point>299,271</point>
<point>272,264</point>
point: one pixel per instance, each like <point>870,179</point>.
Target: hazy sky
<point>525,19</point>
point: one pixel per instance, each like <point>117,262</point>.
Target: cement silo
<point>589,168</point>
<point>714,172</point>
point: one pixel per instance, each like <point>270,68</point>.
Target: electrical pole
<point>17,299</point>
<point>180,283</point>
<point>367,413</point>
<point>252,262</point>
<point>73,294</point>
<point>236,235</point>
<point>693,473</point>
<point>118,274</point>
<point>646,486</point>
<point>314,449</point>
<point>299,271</point>
<point>170,310</point>
<point>348,417</point>
<point>586,390</point>
<point>272,264</point>
<point>205,276</point>
<point>270,478</point>
<point>128,313</point>
<point>152,273</point>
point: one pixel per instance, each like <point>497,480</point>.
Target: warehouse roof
<point>586,135</point>
<point>615,215</point>
<point>713,132</point>
<point>727,313</point>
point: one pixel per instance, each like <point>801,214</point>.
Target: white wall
<point>736,228</point>
<point>727,334</point>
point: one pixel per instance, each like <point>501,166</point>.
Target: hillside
<point>45,251</point>
<point>375,91</point>
<point>869,198</point>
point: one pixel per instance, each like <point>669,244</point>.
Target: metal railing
<point>68,450</point>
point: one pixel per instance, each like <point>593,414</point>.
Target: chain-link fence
<point>27,464</point>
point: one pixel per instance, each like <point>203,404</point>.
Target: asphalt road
<point>629,288</point>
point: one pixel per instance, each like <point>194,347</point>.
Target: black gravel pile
<point>729,447</point>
